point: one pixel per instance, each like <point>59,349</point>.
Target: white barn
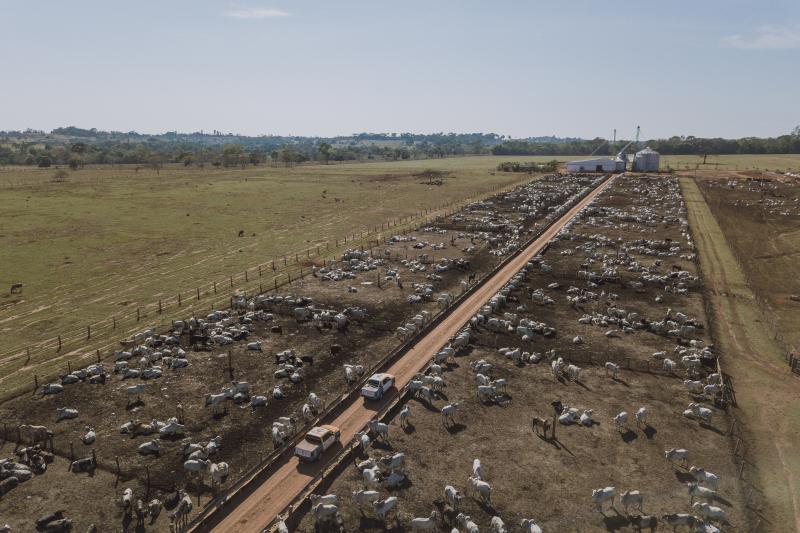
<point>600,164</point>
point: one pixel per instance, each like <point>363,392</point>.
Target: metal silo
<point>646,160</point>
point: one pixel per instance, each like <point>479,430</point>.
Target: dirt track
<point>266,501</point>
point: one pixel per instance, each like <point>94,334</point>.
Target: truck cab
<point>317,440</point>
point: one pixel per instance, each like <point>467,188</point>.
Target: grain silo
<point>646,160</point>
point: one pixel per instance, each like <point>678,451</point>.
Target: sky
<point>711,68</point>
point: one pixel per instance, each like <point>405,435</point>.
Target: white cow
<point>600,496</point>
<point>482,487</point>
<point>631,498</point>
<point>621,420</point>
<point>677,454</point>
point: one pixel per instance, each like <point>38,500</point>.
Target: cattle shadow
<point>409,428</point>
<point>557,444</point>
<point>581,384</point>
<point>616,521</point>
<point>440,395</point>
<point>373,524</point>
<point>684,477</point>
<point>621,382</point>
<point>649,431</point>
<point>486,506</point>
<point>711,428</point>
<point>382,445</point>
<point>426,404</point>
<point>455,427</point>
<point>722,500</point>
<point>628,436</point>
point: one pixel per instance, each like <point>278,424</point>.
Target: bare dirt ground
<point>752,356</point>
<point>246,431</point>
<point>551,479</point>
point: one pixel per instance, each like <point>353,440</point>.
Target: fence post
<point>231,278</point>
<point>245,276</point>
<point>28,352</point>
<point>159,306</point>
<point>198,292</point>
<point>137,316</point>
<point>35,383</point>
<point>179,299</point>
<point>98,355</point>
<point>88,332</point>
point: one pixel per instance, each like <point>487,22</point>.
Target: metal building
<point>601,164</point>
<point>646,160</point>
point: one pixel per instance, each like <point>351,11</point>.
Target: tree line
<point>676,145</point>
<point>75,147</point>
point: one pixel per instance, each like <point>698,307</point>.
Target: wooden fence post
<point>245,276</point>
<point>230,365</point>
<point>179,299</point>
<point>98,355</point>
<point>59,343</point>
<point>35,383</point>
<point>231,278</point>
<point>69,368</point>
<point>28,353</point>
<point>197,289</point>
<point>137,314</point>
<point>88,332</point>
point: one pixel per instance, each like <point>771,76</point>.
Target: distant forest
<point>76,147</point>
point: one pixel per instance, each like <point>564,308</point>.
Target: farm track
<point>264,502</point>
<point>755,362</point>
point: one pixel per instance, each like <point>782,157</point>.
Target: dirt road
<point>271,497</point>
<point>760,375</point>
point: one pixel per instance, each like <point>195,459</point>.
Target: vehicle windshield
<point>374,383</point>
<point>313,439</point>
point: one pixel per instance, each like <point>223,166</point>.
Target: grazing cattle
<point>452,497</point>
<point>152,447</point>
<point>87,464</point>
<point>90,436</point>
<point>35,433</point>
<point>631,498</point>
<point>52,388</point>
<point>280,525</point>
<point>476,469</point>
<point>219,472</point>
<point>586,418</point>
<point>699,491</point>
<point>424,524</point>
<point>621,420</point>
<point>679,519</point>
<point>641,417</point>
<point>258,401</point>
<point>677,454</point>
<point>328,499</point>
<point>405,414</point>
<point>600,496</point>
<point>380,429</point>
<point>482,488</point>
<point>180,515</point>
<point>449,412</point>
<point>612,368</point>
<point>497,525</point>
<point>382,508</point>
<point>644,521</point>
<point>544,423</point>
<point>466,522</point>
<point>63,413</point>
<point>710,512</point>
<point>704,477</point>
<point>363,497</point>
<point>529,525</point>
<point>364,440</point>
<point>574,373</point>
<point>392,463</point>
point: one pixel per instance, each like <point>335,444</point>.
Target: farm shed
<point>603,164</point>
<point>646,160</point>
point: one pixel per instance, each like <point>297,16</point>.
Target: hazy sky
<point>726,68</point>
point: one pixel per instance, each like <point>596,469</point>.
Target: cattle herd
<point>584,395</point>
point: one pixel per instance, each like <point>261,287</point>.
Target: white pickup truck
<point>317,440</point>
<point>377,385</point>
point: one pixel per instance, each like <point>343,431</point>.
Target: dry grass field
<point>245,431</point>
<point>552,480</point>
<point>111,240</point>
<point>782,162</point>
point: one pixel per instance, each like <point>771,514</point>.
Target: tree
<point>274,155</point>
<point>78,148</point>
<point>44,161</point>
<point>325,151</point>
<point>75,163</point>
<point>255,158</point>
<point>232,154</point>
